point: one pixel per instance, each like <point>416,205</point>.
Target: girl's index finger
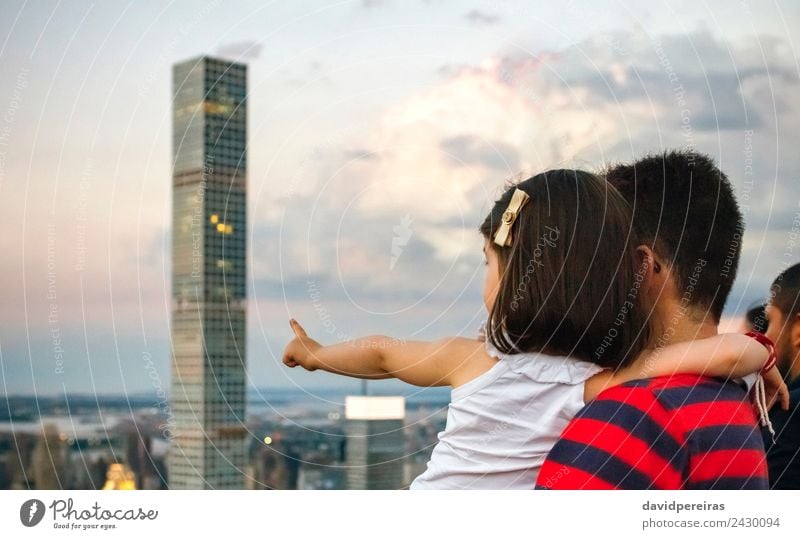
<point>297,328</point>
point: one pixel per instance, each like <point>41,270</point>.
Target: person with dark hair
<point>755,318</point>
<point>560,270</point>
<point>783,318</point>
<point>681,430</point>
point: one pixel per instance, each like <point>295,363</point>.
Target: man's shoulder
<point>647,390</point>
<point>632,406</point>
<point>670,400</point>
<point>643,434</point>
<point>676,390</point>
<point>624,438</point>
<point>704,412</point>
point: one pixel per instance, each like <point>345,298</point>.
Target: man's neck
<point>685,329</point>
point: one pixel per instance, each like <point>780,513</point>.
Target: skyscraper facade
<point>209,197</point>
<point>375,442</point>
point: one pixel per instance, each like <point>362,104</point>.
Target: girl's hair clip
<point>503,235</point>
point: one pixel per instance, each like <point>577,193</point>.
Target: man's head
<point>690,225</point>
<point>783,316</point>
<point>755,319</point>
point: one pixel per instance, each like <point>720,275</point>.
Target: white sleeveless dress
<point>501,425</point>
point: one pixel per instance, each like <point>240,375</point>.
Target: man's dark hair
<point>756,318</point>
<point>785,291</point>
<point>569,283</point>
<point>684,207</point>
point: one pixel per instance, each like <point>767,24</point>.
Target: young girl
<point>565,322</point>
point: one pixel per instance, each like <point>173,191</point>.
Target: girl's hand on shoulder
<point>776,389</point>
<point>301,350</point>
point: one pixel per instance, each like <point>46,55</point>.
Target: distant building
<point>321,478</point>
<point>49,459</point>
<point>208,274</point>
<point>119,477</point>
<point>375,453</point>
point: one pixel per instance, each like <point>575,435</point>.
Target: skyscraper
<point>375,442</point>
<point>209,189</point>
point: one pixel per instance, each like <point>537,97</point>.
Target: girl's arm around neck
<point>450,361</point>
<point>727,355</point>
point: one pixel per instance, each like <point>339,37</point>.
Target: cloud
<point>360,154</point>
<point>441,155</point>
<point>240,50</point>
<point>481,17</point>
<point>710,78</point>
<point>495,155</point>
<point>369,4</point>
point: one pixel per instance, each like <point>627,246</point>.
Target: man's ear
<point>652,268</point>
<point>648,264</point>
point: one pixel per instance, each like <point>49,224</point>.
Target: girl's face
<point>492,281</point>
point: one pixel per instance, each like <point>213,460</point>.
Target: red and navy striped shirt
<point>671,432</point>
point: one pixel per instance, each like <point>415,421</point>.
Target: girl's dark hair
<point>569,282</point>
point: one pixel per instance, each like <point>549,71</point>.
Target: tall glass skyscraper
<point>209,189</point>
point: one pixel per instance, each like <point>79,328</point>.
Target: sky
<point>380,133</point>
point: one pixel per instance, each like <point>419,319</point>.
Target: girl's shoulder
<point>544,368</point>
<point>474,359</point>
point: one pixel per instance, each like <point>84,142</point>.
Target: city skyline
<point>379,137</point>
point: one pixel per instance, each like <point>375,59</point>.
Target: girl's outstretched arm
<point>727,355</point>
<point>450,361</point>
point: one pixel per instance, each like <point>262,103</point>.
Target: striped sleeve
<point>624,439</point>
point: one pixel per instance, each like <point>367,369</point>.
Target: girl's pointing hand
<point>301,350</point>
